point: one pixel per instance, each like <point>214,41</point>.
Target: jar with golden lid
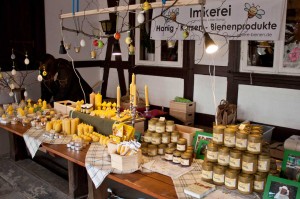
<point>156,138</point>
<point>219,175</point>
<point>165,139</point>
<point>186,159</point>
<point>223,156</point>
<point>229,137</point>
<point>259,182</point>
<point>218,134</point>
<point>169,154</point>
<point>231,178</point>
<point>207,171</point>
<point>177,157</point>
<point>254,143</point>
<point>160,127</point>
<point>152,125</point>
<point>144,148</point>
<point>235,159</point>
<point>172,145</point>
<point>249,163</point>
<point>212,152</point>
<point>257,127</point>
<point>264,162</point>
<point>148,137</point>
<point>170,126</point>
<point>245,183</point>
<point>174,136</point>
<point>181,144</point>
<point>152,150</point>
<point>241,141</point>
<point>161,149</point>
<point>232,126</point>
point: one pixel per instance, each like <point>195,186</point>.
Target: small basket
<point>125,102</point>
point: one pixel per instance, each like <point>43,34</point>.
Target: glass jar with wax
<point>223,156</point>
<point>174,136</point>
<point>152,125</point>
<point>156,138</point>
<point>219,175</point>
<point>170,126</point>
<point>160,127</point>
<point>148,137</point>
<point>218,134</point>
<point>254,143</point>
<point>241,140</point>
<point>229,137</point>
<point>231,178</point>
<point>165,139</point>
<point>212,152</point>
<point>207,171</point>
<point>249,163</point>
<point>245,183</point>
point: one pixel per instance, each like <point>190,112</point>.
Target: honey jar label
<point>244,187</point>
<point>259,185</point>
<point>229,140</point>
<point>218,178</point>
<point>160,151</point>
<point>262,165</point>
<point>185,162</point>
<point>223,159</point>
<point>229,182</point>
<point>212,155</point>
<point>151,127</point>
<point>168,156</point>
<point>147,139</point>
<point>169,128</point>
<point>207,174</point>
<point>176,159</point>
<point>160,129</point>
<point>174,139</point>
<point>181,147</point>
<point>247,166</point>
<point>217,138</point>
<point>234,162</point>
<point>242,143</point>
<point>254,147</point>
<point>156,141</point>
<point>165,140</point>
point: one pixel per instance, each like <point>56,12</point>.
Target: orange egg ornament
<point>117,35</point>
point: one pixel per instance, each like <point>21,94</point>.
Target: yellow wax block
<point>48,126</point>
<point>86,129</point>
<point>67,126</point>
<point>73,126</point>
<point>91,129</point>
<point>58,127</point>
<point>44,105</point>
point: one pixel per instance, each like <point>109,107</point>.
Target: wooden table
<point>134,185</point>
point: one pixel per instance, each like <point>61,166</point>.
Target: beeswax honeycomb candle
<point>67,126</point>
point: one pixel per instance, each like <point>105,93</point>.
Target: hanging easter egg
<point>40,78</point>
<point>25,94</point>
<point>100,44</point>
<point>26,61</point>
<point>13,72</point>
<point>141,17</point>
<point>44,73</point>
<point>185,34</point>
<point>131,49</point>
<point>128,40</point>
<point>11,94</point>
<point>95,42</point>
<point>12,86</point>
<point>117,35</point>
<point>173,16</point>
<point>82,43</point>
<point>13,56</point>
<point>164,2</point>
<point>146,6</point>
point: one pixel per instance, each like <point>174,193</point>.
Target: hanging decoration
<point>146,6</point>
<point>26,60</point>
<point>117,35</point>
<point>141,17</point>
<point>128,39</point>
<point>131,49</point>
<point>82,43</point>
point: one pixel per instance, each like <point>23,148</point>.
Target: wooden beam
<point>129,8</point>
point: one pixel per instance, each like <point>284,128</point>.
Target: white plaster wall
<point>275,106</point>
<point>113,82</point>
<point>161,89</point>
<point>203,93</point>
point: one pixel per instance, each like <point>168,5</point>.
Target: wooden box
<point>126,163</point>
<point>182,116</point>
<point>187,132</point>
<point>183,107</point>
<point>62,106</point>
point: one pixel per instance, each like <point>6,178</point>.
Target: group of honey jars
<point>161,138</point>
<point>235,158</point>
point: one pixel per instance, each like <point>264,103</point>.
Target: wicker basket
<point>125,104</point>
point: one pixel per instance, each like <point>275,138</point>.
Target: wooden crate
<point>62,106</point>
<point>183,107</point>
<point>187,132</point>
<point>183,116</point>
<point>126,163</point>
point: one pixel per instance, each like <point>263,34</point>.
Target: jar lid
<point>242,132</point>
<point>170,122</point>
<point>260,176</point>
<point>190,151</point>
<point>182,141</point>
<point>257,127</point>
<point>172,145</point>
<point>223,149</point>
<point>245,176</point>
<point>212,145</point>
<point>149,133</point>
<point>170,150</point>
<point>175,133</point>
<point>219,168</point>
<point>186,155</point>
<point>233,126</point>
<point>177,153</point>
<point>144,144</point>
<point>207,165</point>
<point>231,172</point>
<point>160,123</point>
<point>161,146</point>
<point>152,146</point>
<point>264,156</point>
<point>235,152</point>
<point>156,134</point>
<point>152,121</point>
<point>229,130</point>
<point>219,127</point>
<point>257,137</point>
<point>190,148</point>
<point>165,134</point>
<point>249,156</point>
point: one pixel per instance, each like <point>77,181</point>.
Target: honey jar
<point>161,149</point>
<point>144,148</point>
<point>156,138</point>
<point>259,182</point>
<point>181,144</point>
<point>241,141</point>
<point>212,152</point>
<point>152,150</point>
<point>174,136</point>
<point>229,137</point>
<point>264,162</point>
<point>186,159</point>
<point>219,174</point>
<point>166,139</point>
<point>170,126</point>
<point>235,159</point>
<point>223,156</point>
<point>152,125</point>
<point>177,157</point>
<point>218,134</point>
<point>231,178</point>
<point>245,183</point>
<point>160,127</point>
<point>148,137</point>
<point>169,154</point>
<point>249,163</point>
<point>172,145</point>
<point>254,143</point>
<point>207,171</point>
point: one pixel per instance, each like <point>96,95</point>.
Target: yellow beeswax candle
<point>118,97</point>
<point>146,95</point>
<point>67,126</point>
<point>92,99</point>
<point>133,79</point>
<point>98,100</point>
<point>73,125</point>
<point>44,105</point>
<point>134,94</point>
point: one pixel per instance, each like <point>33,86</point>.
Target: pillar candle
<point>134,94</point>
<point>118,97</point>
<point>98,100</point>
<point>92,99</point>
<point>67,126</point>
<point>73,126</point>
<point>146,95</point>
<point>44,105</point>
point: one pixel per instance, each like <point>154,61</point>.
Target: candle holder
<point>118,112</point>
<point>133,114</point>
<point>147,112</point>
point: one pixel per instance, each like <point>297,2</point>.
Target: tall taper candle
<point>118,97</point>
<point>146,95</point>
<point>133,78</point>
<point>134,94</point>
<point>92,99</point>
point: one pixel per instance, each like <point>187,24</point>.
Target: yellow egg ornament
<point>146,6</point>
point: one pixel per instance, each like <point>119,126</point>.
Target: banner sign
<point>237,19</point>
